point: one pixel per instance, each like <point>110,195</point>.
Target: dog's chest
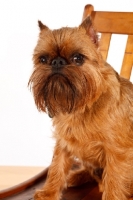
<point>88,150</point>
<point>78,140</point>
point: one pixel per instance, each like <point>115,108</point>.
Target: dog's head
<point>67,69</point>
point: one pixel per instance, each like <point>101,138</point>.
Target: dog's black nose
<point>58,62</point>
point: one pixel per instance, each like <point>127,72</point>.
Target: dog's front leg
<point>117,175</point>
<point>57,173</point>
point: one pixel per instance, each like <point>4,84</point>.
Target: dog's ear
<point>42,26</point>
<point>88,26</point>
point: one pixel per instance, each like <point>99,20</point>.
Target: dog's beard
<point>59,94</point>
<point>62,92</point>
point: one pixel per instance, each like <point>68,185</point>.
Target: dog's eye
<point>78,59</point>
<point>43,59</point>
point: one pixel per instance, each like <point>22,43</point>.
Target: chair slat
<point>104,44</point>
<point>113,22</point>
<point>128,59</point>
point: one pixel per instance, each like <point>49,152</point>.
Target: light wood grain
<point>113,22</point>
<point>13,175</point>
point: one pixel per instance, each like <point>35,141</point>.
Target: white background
<point>26,134</point>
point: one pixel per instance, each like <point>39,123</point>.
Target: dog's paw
<point>40,195</point>
<point>45,195</point>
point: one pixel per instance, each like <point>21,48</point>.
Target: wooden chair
<point>106,23</point>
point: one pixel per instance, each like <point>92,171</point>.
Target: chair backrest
<point>108,23</point>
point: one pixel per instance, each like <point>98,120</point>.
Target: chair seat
<point>27,189</point>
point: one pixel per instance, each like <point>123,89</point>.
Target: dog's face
<point>67,69</point>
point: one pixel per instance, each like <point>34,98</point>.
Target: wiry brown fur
<point>92,110</point>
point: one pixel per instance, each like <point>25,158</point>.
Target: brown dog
<point>92,111</point>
